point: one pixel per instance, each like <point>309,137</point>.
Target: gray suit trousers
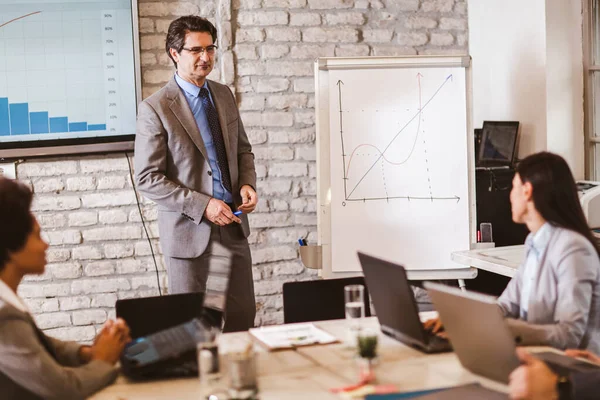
<point>223,272</point>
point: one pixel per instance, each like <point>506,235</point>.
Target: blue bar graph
<point>15,119</point>
<point>4,121</point>
<point>59,124</point>
<point>39,122</point>
<point>77,126</point>
<point>97,127</point>
<point>19,118</point>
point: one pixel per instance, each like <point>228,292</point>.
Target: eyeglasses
<point>210,50</point>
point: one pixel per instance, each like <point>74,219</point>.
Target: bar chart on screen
<point>66,69</point>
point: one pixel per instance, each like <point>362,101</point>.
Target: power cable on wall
<point>137,200</point>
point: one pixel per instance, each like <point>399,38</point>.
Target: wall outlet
<point>8,170</point>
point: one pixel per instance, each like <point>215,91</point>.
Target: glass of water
<point>354,298</point>
<point>209,367</point>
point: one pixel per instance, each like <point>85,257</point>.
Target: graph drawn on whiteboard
<point>398,165</point>
<point>399,139</point>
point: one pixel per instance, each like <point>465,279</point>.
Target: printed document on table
<point>290,336</point>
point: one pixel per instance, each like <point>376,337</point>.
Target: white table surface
<point>309,372</point>
<point>500,260</point>
<point>415,274</point>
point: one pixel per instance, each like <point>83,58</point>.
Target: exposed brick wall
<point>86,205</point>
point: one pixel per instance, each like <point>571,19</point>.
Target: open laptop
<point>148,315</point>
<point>396,307</point>
<point>163,330</point>
<point>482,340</point>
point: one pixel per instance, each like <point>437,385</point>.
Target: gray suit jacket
<point>35,366</point>
<point>172,168</point>
<point>564,303</point>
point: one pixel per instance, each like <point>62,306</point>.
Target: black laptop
<point>163,332</point>
<point>396,307</point>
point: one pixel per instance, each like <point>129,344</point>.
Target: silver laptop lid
<point>476,328</point>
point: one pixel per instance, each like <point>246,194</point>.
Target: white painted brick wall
<point>99,252</point>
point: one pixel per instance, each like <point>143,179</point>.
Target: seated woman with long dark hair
<point>33,365</point>
<point>554,299</point>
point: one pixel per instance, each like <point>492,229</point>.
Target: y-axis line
<point>339,84</point>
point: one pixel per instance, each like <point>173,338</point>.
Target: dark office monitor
<point>148,315</point>
<point>499,143</point>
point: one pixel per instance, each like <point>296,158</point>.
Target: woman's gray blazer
<point>35,366</point>
<point>564,301</point>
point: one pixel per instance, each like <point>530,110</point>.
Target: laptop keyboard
<point>174,341</point>
<point>188,368</point>
<point>437,343</point>
<point>563,370</point>
<point>563,365</point>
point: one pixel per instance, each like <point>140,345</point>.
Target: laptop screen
<point>498,142</point>
<point>152,314</point>
<point>392,296</point>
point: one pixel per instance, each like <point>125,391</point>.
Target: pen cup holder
<point>312,256</point>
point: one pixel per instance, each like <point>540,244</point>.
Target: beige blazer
<point>172,168</point>
<point>36,366</point>
<point>564,304</point>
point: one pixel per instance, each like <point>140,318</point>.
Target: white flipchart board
<point>395,168</point>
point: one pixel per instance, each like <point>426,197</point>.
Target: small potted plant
<point>367,352</point>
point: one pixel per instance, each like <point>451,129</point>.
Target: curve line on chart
<point>21,17</point>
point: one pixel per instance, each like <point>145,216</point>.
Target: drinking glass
<point>209,367</point>
<point>354,299</point>
<point>241,368</point>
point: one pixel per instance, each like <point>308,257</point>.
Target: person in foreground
<point>533,380</point>
<point>33,365</point>
<point>554,299</point>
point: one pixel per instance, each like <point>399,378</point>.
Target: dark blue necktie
<point>217,136</point>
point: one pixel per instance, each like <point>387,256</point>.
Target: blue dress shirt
<point>535,246</point>
<point>192,95</point>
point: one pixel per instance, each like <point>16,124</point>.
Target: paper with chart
<point>291,335</point>
<point>398,166</point>
<point>66,69</point>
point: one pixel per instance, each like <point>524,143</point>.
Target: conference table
<point>500,260</point>
<point>310,372</point>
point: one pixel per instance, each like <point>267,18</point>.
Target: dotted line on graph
<point>427,162</point>
<point>383,175</point>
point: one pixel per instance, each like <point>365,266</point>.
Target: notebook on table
<point>289,336</point>
<point>472,391</point>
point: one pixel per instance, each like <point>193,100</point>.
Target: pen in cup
<point>302,242</point>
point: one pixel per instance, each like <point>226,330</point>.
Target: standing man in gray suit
<point>194,160</point>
